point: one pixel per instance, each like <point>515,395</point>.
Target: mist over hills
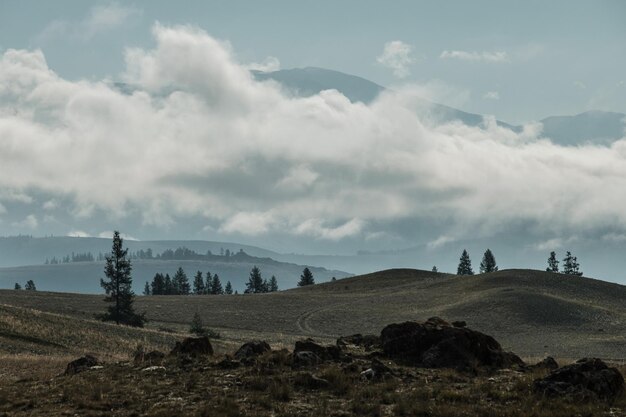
<point>596,127</point>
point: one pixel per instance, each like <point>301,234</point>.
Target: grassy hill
<point>533,313</point>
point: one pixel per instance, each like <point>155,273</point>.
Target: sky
<point>200,150</point>
<point>521,61</point>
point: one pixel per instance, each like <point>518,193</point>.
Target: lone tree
<point>434,269</point>
<point>229,288</point>
<point>118,287</point>
<point>197,325</point>
<point>17,286</point>
<point>488,263</point>
<point>30,285</point>
<point>571,265</point>
<point>306,278</point>
<point>255,282</point>
<point>465,265</point>
<point>553,263</point>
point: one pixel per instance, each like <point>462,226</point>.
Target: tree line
<point>179,254</point>
<point>488,264</point>
<point>179,284</point>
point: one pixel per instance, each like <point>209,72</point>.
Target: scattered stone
<point>228,363</point>
<point>323,352</point>
<point>367,341</point>
<point>306,358</point>
<point>95,368</point>
<point>153,369</point>
<point>252,349</point>
<point>548,364</point>
<point>81,364</point>
<point>583,380</point>
<point>377,371</point>
<point>153,358</point>
<point>193,346</point>
<point>437,344</point>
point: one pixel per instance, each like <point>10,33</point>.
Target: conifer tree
<point>553,263</point>
<point>168,285</point>
<point>228,289</point>
<point>30,285</point>
<point>306,278</point>
<point>118,287</point>
<point>255,281</point>
<point>197,325</point>
<point>465,265</point>
<point>198,284</point>
<point>434,269</point>
<point>146,289</point>
<point>571,265</point>
<point>17,286</point>
<point>209,283</point>
<point>158,284</point>
<point>216,286</point>
<point>273,284</point>
<point>180,282</point>
<point>488,263</point>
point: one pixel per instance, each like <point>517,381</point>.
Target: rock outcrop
<point>585,379</point>
<point>81,364</point>
<point>194,347</point>
<point>437,344</point>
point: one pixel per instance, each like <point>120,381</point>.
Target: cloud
<point>268,65</point>
<point>100,19</point>
<point>80,233</point>
<point>109,235</point>
<point>29,222</point>
<point>397,56</point>
<point>492,95</point>
<point>497,56</point>
<point>198,140</point>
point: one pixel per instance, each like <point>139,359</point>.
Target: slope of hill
<point>597,127</point>
<point>533,313</point>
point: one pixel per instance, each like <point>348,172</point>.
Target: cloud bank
<point>199,138</point>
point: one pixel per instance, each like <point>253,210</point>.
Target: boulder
<point>459,323</point>
<point>193,346</point>
<point>305,358</point>
<point>377,371</point>
<point>81,364</point>
<point>437,344</point>
<point>585,379</point>
<point>153,357</point>
<point>548,364</point>
<point>367,341</point>
<point>251,349</point>
<point>329,352</point>
<point>310,381</point>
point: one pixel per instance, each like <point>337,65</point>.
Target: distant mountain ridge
<point>595,127</point>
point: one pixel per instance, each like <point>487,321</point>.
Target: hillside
<point>533,313</point>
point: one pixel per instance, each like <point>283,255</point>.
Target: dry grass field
<point>532,313</point>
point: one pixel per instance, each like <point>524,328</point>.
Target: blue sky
<point>558,57</point>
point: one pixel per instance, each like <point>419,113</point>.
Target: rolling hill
<point>533,313</point>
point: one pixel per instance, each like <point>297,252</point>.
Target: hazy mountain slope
<point>25,250</point>
<point>597,127</point>
<point>533,313</point>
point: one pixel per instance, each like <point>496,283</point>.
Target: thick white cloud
<point>498,56</point>
<point>200,138</point>
<point>396,55</point>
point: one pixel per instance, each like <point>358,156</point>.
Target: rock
<point>548,364</point>
<point>193,346</point>
<point>228,363</point>
<point>459,323</point>
<point>377,371</point>
<point>251,349</point>
<point>437,344</point>
<point>153,357</point>
<point>323,352</point>
<point>585,379</point>
<point>306,358</point>
<point>367,341</point>
<point>153,369</point>
<point>81,364</point>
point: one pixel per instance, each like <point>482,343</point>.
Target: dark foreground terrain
<point>354,377</point>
